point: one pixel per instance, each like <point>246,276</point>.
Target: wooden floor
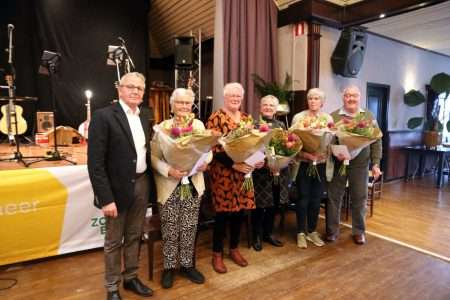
<point>414,213</point>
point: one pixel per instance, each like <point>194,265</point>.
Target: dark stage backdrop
<point>80,30</point>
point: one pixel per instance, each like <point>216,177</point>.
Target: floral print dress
<point>226,182</point>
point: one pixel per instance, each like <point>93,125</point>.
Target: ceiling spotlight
<point>382,16</point>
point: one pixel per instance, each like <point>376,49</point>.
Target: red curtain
<point>250,45</point>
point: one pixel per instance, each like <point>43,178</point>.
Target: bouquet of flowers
<point>356,134</point>
<point>244,141</point>
<point>182,145</point>
<point>283,147</point>
<point>316,133</point>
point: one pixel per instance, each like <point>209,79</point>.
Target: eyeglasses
<point>185,103</point>
<point>132,87</point>
<point>351,95</point>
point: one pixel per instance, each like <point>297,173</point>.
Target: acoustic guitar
<point>12,123</point>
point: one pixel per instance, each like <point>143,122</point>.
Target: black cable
<point>13,283</point>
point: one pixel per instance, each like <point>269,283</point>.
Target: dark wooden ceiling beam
<point>333,15</point>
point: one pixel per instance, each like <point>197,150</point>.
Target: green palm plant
<point>281,91</point>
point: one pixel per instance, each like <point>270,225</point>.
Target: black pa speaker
<point>184,48</point>
<point>348,55</point>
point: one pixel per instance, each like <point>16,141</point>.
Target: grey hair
<point>351,87</point>
<point>181,92</point>
<point>270,98</point>
<point>133,74</point>
<point>316,92</point>
<point>233,85</point>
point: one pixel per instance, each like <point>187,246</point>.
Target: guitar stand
<point>17,154</point>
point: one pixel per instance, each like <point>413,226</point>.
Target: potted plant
<point>433,127</point>
<point>281,91</point>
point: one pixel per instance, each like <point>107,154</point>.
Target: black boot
<point>257,243</point>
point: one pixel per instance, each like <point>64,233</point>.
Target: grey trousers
<point>179,220</point>
<point>124,233</point>
<point>357,176</point>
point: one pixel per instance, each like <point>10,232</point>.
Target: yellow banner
<point>32,205</point>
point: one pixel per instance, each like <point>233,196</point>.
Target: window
<point>444,116</point>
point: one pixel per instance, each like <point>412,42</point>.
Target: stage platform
<point>76,153</point>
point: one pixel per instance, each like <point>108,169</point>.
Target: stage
<point>46,209</point>
<point>76,153</point>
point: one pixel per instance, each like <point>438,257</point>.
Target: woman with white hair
<point>179,216</point>
<point>227,178</point>
<point>269,193</point>
<point>310,188</point>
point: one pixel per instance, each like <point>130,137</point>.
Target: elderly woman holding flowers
<point>311,174</point>
<point>227,179</point>
<point>269,193</point>
<point>179,215</point>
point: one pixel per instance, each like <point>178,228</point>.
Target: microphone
<point>10,26</point>
<point>120,39</point>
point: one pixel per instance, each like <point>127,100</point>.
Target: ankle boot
<point>217,262</point>
<point>257,243</point>
<point>236,256</point>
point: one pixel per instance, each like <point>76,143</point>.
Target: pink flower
<point>361,124</point>
<point>330,125</point>
<point>289,145</point>
<point>264,128</point>
<point>291,137</point>
<point>175,131</point>
<point>186,129</point>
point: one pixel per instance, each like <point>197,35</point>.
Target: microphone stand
<point>55,155</point>
<point>13,132</point>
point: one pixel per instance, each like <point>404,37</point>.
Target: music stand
<point>49,66</point>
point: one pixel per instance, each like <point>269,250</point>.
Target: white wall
<point>387,62</point>
<point>292,54</point>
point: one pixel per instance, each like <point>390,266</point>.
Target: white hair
<point>315,92</point>
<point>132,74</point>
<point>352,87</point>
<point>231,86</point>
<point>270,98</point>
<point>181,92</point>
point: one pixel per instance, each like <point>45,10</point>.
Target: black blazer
<point>112,156</point>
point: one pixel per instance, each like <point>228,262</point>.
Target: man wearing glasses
<point>120,174</point>
<point>357,174</point>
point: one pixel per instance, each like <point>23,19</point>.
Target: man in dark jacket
<point>120,173</point>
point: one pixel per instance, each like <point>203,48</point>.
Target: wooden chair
<point>375,188</point>
<point>152,234</point>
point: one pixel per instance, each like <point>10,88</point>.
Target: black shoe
<point>167,278</point>
<point>113,296</point>
<point>271,240</point>
<point>257,244</point>
<point>137,287</point>
<point>193,275</point>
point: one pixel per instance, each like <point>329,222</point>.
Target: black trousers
<point>263,218</point>
<point>310,193</point>
<point>234,219</point>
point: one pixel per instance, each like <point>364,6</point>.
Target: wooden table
<point>441,152</point>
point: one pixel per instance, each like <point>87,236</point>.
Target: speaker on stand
<point>348,56</point>
<point>184,52</point>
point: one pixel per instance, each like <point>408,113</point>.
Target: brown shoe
<point>359,239</point>
<point>331,237</point>
<point>236,256</point>
<point>217,263</point>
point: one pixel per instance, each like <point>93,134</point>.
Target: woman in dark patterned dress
<point>269,193</point>
<point>227,178</point>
